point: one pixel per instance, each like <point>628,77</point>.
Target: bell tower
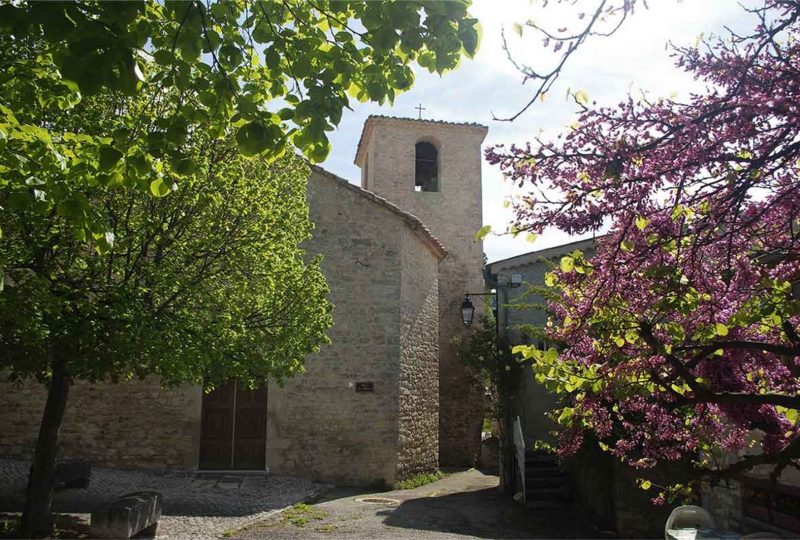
<point>432,169</point>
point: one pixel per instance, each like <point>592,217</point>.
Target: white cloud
<point>607,68</point>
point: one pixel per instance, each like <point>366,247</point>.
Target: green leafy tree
<point>206,284</point>
<point>498,371</point>
<point>107,277</point>
<point>279,72</point>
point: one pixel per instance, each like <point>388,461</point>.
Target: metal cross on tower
<point>420,108</point>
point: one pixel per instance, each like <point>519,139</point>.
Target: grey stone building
<point>532,401</point>
<point>387,398</point>
<point>606,489</point>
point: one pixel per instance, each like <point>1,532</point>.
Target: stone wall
<point>419,360</point>
<point>318,425</point>
<point>461,396</point>
<point>381,266</point>
<point>592,472</point>
<point>724,502</point>
<point>732,508</point>
<point>607,491</point>
<point>133,424</point>
<point>453,214</point>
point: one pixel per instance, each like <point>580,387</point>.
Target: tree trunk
<point>36,517</point>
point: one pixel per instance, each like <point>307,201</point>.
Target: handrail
<point>519,445</point>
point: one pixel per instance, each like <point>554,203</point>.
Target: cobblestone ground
<point>195,505</point>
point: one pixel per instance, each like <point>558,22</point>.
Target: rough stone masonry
<point>453,214</point>
<point>388,398</point>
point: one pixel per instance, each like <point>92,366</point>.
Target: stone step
<point>537,461</point>
<point>547,504</point>
<point>540,455</point>
<point>543,472</point>
<point>562,493</point>
<point>546,482</point>
<point>540,452</point>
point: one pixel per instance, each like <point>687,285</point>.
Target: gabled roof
<point>413,222</point>
<point>376,118</point>
<point>546,253</point>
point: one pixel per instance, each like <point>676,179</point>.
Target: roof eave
<point>413,222</point>
<point>553,251</point>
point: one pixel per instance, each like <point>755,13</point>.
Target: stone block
<point>135,423</point>
<point>74,473</point>
<point>134,514</point>
<point>489,459</point>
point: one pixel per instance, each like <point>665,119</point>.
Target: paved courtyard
<point>196,505</point>
<point>465,504</point>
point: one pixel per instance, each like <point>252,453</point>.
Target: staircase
<point>546,486</point>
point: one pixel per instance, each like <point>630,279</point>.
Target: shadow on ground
<point>487,513</point>
<point>183,494</point>
<point>467,503</point>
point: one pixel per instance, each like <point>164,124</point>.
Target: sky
<point>635,59</point>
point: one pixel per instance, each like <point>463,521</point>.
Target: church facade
<point>387,399</point>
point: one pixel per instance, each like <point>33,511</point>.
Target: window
<point>426,176</point>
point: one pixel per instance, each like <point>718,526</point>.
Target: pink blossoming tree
<point>681,335</point>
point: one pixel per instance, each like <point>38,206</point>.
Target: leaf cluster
<point>499,371</point>
<point>279,72</point>
<point>207,283</point>
<point>681,333</point>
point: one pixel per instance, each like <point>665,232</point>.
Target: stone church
<point>387,399</point>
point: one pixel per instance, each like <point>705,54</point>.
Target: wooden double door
<point>233,428</point>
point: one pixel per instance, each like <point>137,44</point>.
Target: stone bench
<point>134,514</point>
<point>74,473</point>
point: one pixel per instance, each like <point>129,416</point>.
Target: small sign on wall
<point>364,387</point>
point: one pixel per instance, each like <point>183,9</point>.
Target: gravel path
<point>465,504</point>
<point>195,505</point>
